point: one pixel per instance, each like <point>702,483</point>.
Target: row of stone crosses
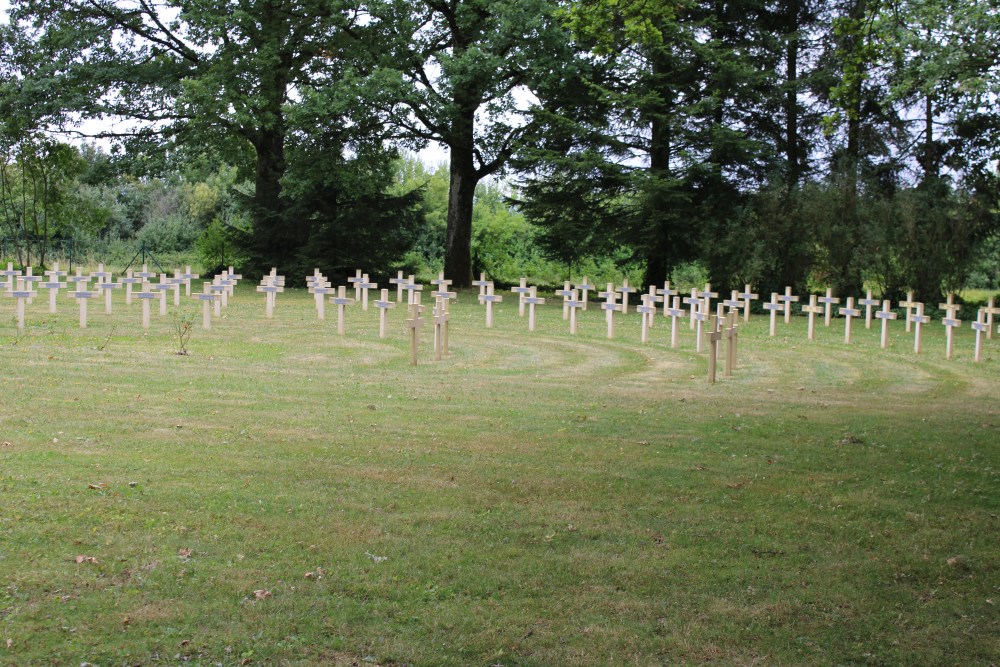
<point>22,287</point>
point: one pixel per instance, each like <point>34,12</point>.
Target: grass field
<point>283,495</point>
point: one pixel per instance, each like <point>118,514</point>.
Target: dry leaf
<point>262,594</point>
<point>10,642</point>
<point>185,553</point>
<point>6,443</point>
<point>100,485</point>
<point>85,559</point>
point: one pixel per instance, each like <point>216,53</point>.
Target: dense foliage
<point>845,142</point>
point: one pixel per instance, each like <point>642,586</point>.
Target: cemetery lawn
<point>282,495</point>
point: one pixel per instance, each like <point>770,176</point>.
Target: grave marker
<point>918,318</point>
<point>268,287</point>
<point>399,281</point>
<point>702,318</point>
<point>868,302</point>
<point>828,302</point>
<point>747,297</point>
<point>574,304</point>
<point>667,293</point>
<point>489,299</point>
<point>187,277</point>
<point>788,298</point>
<point>364,285</point>
<point>849,312</point>
<point>885,315</point>
<point>414,323</point>
<point>694,303</point>
<point>128,281</point>
<point>625,290</point>
<point>21,291</point>
<point>412,290</point>
<point>909,304</point>
<point>813,310</point>
<point>107,287</point>
<point>773,306</point>
<point>732,335</point>
<point>82,296</point>
<point>11,275</point>
<point>713,335</point>
<point>320,289</point>
<point>481,283</point>
<point>146,294</point>
<point>733,302</point>
<point>674,313</point>
<point>951,322</point>
<point>163,287</point>
<point>585,288</point>
<point>990,310</point>
<point>609,307</point>
<point>53,285</point>
<point>206,298</point>
<point>534,300</point>
<point>521,291</point>
<point>566,292</point>
<point>653,297</point>
<point>354,280</point>
<point>383,305</point>
<point>342,301</point>
<point>979,326</point>
<point>440,317</point>
<point>216,287</point>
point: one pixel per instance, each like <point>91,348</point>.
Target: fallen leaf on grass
<point>6,443</point>
<point>185,553</point>
<point>262,594</point>
<point>85,559</point>
<point>100,485</point>
<point>10,642</point>
<point>317,574</point>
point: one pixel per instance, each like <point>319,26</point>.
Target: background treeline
<point>845,143</point>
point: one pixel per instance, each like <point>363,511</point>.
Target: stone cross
<point>533,300</point>
<point>655,296</point>
<point>694,303</point>
<point>885,315</point>
<point>22,292</point>
<point>788,298</point>
<point>383,304</point>
<point>747,297</point>
<point>990,310</point>
<point>100,275</point>
<point>414,323</point>
<point>574,304</point>
<point>667,293</point>
<point>979,326</point>
<point>269,287</point>
<point>828,302</point>
<point>868,302</point>
<point>521,291</point>
<point>82,296</point>
<point>11,275</point>
<point>647,309</point>
<point>216,287</point>
<point>107,286</point>
<point>909,304</point>
<point>206,298</point>
<point>625,290</point>
<point>773,306</point>
<point>128,281</point>
<point>178,282</point>
<point>708,295</point>
<point>146,294</point>
<point>29,283</point>
<point>951,322</point>
<point>849,312</point>
<point>441,316</point>
<point>918,318</point>
<point>363,286</point>
<point>674,312</point>
<point>354,280</point>
<point>187,277</point>
<point>609,307</point>
<point>441,283</point>
<point>713,335</point>
<point>413,290</point>
<point>733,302</point>
<point>78,279</point>
<point>53,285</point>
<point>732,336</point>
<point>481,283</point>
<point>320,287</point>
<point>399,281</point>
<point>489,299</point>
<point>702,316</point>
<point>163,287</point>
<point>566,292</point>
<point>585,288</point>
<point>341,301</point>
<point>813,309</point>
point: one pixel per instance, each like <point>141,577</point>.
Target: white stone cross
<point>22,292</point>
<point>951,322</point>
<point>702,318</point>
<point>566,292</point>
<point>363,286</point>
<point>909,304</point>
<point>708,295</point>
<point>747,297</point>
<point>399,281</point>
<point>53,285</point>
<point>11,275</point>
<point>788,298</point>
<point>990,310</point>
<point>979,326</point>
<point>667,293</point>
<point>128,281</point>
<point>610,306</point>
<point>574,304</point>
<point>441,316</point>
<point>269,287</point>
<point>647,309</point>
<point>187,277</point>
<point>146,294</point>
<point>849,312</point>
<point>917,318</point>
<point>774,306</point>
<point>674,312</point>
<point>868,302</point>
<point>489,298</point>
<point>585,288</point>
<point>82,296</point>
<point>207,298</point>
<point>354,280</point>
<point>828,302</point>
<point>216,287</point>
<point>341,301</point>
<point>625,290</point>
<point>732,337</point>
<point>481,283</point>
<point>413,323</point>
<point>100,275</point>
<point>533,300</point>
<point>412,290</point>
<point>694,303</point>
<point>521,290</point>
<point>107,286</point>
<point>813,309</point>
<point>713,335</point>
<point>655,296</point>
<point>885,315</point>
<point>383,304</point>
<point>163,287</point>
<point>319,287</point>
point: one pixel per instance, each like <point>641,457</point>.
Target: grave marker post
<point>107,286</point>
<point>951,322</point>
<point>21,291</point>
<point>813,309</point>
<point>747,297</point>
<point>82,296</point>
<point>655,296</point>
<point>990,310</point>
<point>868,302</point>
<point>828,302</point>
<point>918,318</point>
<point>788,299</point>
<point>481,283</point>
<point>364,285</point>
<point>128,281</point>
<point>206,298</point>
<point>885,315</point>
<point>849,312</point>
<point>566,292</point>
<point>383,305</point>
<point>399,281</point>
<point>694,303</point>
<point>489,299</point>
<point>413,290</point>
<point>647,309</point>
<point>53,285</point>
<point>585,288</point>
<point>533,300</point>
<point>414,323</point>
<point>625,290</point>
<point>773,306</point>
<point>731,334</point>
<point>609,307</point>
<point>908,305</point>
<point>574,304</point>
<point>713,346</point>
<point>342,301</point>
<point>979,326</point>
<point>521,291</point>
<point>674,313</point>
